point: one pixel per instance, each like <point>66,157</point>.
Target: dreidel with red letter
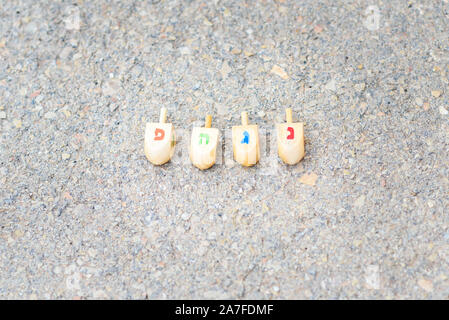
<point>159,142</point>
<point>245,142</point>
<point>203,145</point>
<point>290,140</point>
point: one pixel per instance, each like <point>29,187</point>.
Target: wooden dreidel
<point>159,142</point>
<point>245,142</point>
<point>290,140</point>
<point>203,145</point>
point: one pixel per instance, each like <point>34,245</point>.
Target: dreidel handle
<point>208,123</point>
<point>163,116</point>
<point>288,114</point>
<point>244,118</point>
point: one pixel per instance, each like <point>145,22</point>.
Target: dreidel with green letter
<point>159,142</point>
<point>245,142</point>
<point>290,140</point>
<point>203,145</point>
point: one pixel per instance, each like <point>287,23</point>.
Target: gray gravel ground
<point>84,215</point>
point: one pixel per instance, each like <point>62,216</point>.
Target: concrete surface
<point>84,215</point>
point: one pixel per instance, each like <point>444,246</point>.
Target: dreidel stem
<point>163,116</point>
<point>244,118</point>
<point>208,121</point>
<point>288,113</point>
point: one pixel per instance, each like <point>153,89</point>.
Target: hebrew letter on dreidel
<point>245,137</point>
<point>205,136</point>
<point>159,134</point>
<point>291,136</point>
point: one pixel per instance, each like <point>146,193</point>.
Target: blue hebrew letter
<point>245,137</point>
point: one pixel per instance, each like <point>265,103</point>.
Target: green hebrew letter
<point>204,135</point>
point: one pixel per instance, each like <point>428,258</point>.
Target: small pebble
<point>73,21</point>
<point>359,87</point>
<point>17,123</point>
<point>18,234</point>
<point>31,27</point>
<point>64,54</point>
<point>236,51</point>
<point>91,252</point>
<point>318,28</point>
<point>436,93</point>
<point>65,156</point>
<point>331,85</point>
<point>207,22</point>
<point>2,115</point>
<point>35,94</point>
<point>283,9</point>
<point>267,59</point>
<point>443,111</point>
<point>185,50</point>
<point>225,70</point>
<point>73,42</point>
<point>360,201</point>
<point>280,72</point>
<point>111,87</point>
<point>148,219</point>
<point>57,270</point>
<point>50,115</point>
<point>309,179</point>
<point>66,113</point>
<point>186,216</point>
<point>425,284</point>
<point>248,53</point>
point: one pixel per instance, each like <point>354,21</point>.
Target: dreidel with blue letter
<point>203,145</point>
<point>159,142</point>
<point>245,142</point>
<point>290,140</point>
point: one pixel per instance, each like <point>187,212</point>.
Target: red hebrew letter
<point>159,134</point>
<point>291,136</point>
